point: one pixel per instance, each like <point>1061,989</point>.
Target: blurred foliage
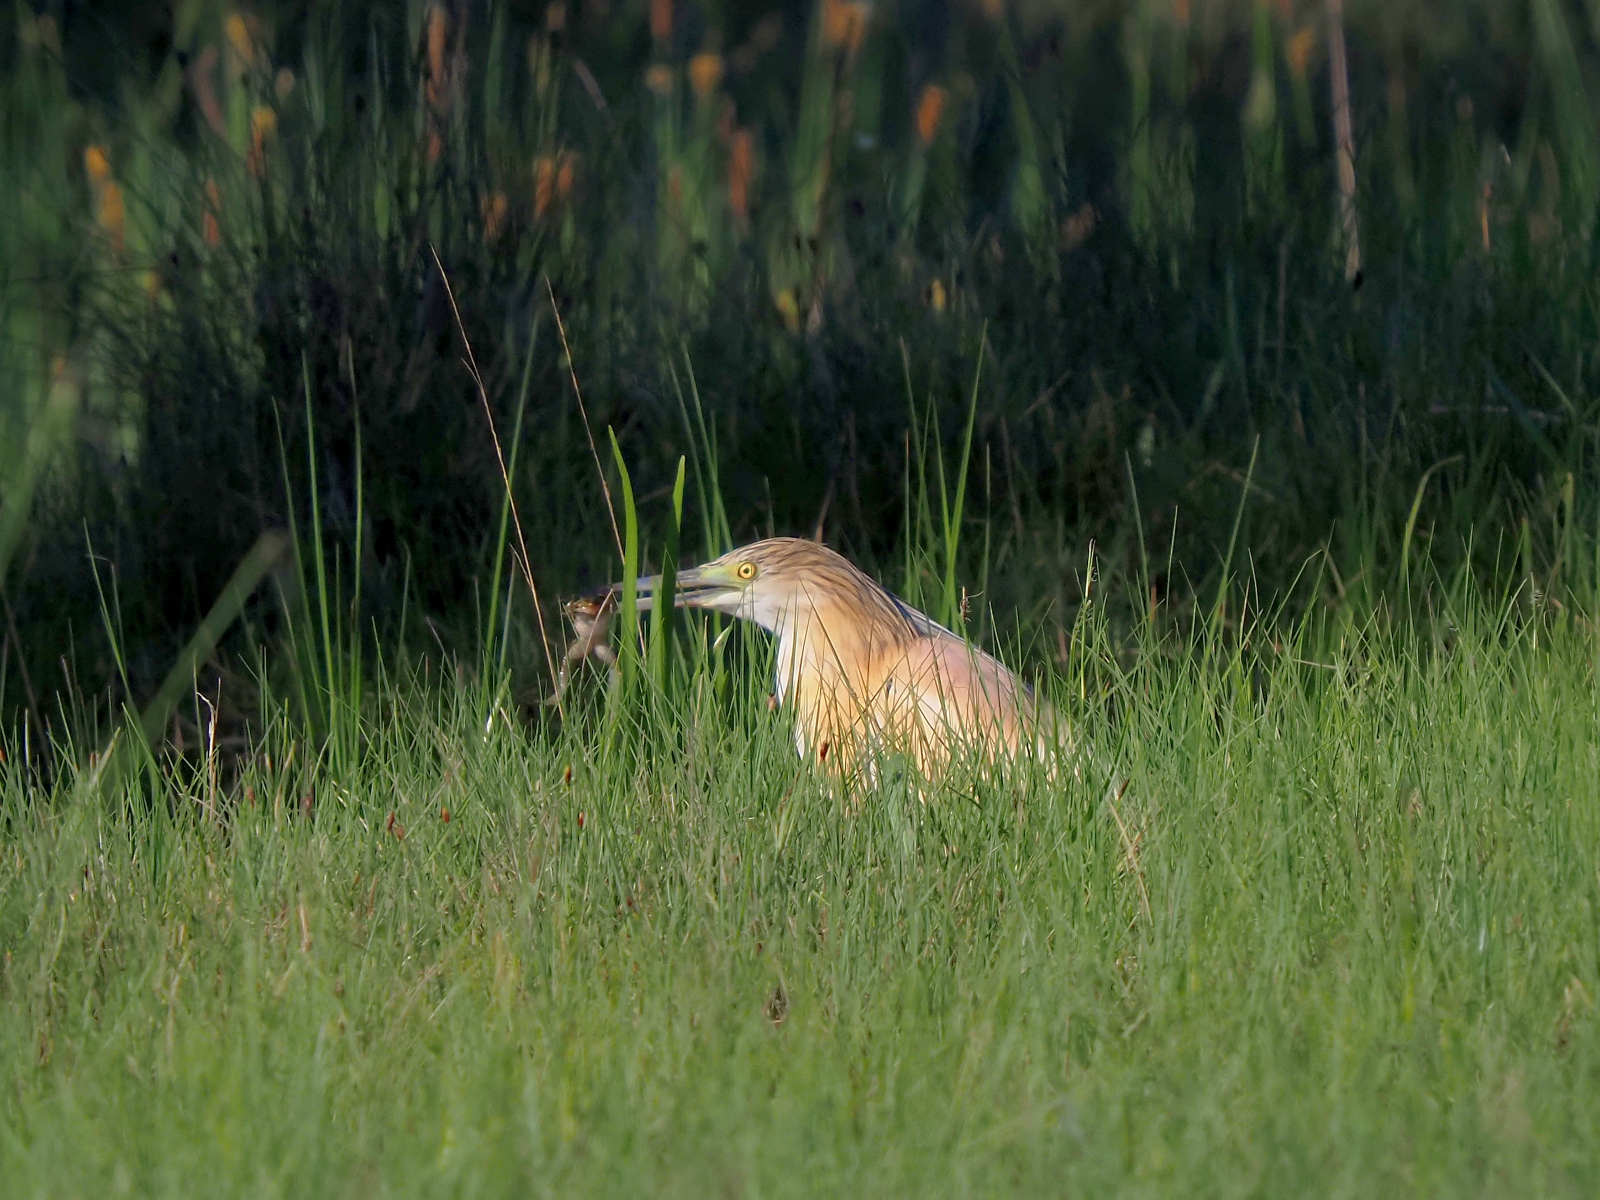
<point>800,221</point>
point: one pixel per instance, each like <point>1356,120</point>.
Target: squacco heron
<point>862,669</point>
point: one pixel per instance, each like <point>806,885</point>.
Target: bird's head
<point>775,583</point>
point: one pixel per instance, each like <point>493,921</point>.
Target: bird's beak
<point>694,587</point>
<point>702,587</point>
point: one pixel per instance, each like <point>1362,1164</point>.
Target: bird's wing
<point>921,623</point>
<point>942,691</point>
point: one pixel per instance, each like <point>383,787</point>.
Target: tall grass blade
<point>952,512</point>
<point>1411,521</point>
<point>663,608</point>
<point>715,528</point>
<point>628,609</point>
<point>328,651</point>
<point>1219,605</point>
<point>1574,111</point>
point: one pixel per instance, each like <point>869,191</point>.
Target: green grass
<point>1368,964</point>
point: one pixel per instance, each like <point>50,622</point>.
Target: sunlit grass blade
<point>628,605</point>
<point>663,608</point>
<point>1225,580</point>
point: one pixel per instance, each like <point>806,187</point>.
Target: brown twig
<point>471,363</point>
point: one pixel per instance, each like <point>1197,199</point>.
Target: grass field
<point>1336,937</point>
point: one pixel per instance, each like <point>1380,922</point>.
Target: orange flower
<point>283,83</point>
<point>930,109</point>
<point>494,215</point>
<point>1075,230</point>
<point>844,23</point>
<point>435,146</point>
<point>238,34</point>
<point>564,174</point>
<point>1180,11</point>
<point>544,185</point>
<point>660,19</point>
<point>1299,51</point>
<point>857,12</point>
<point>205,92</point>
<point>659,79</point>
<point>97,164</point>
<point>112,214</point>
<point>438,37</point>
<point>263,124</point>
<point>705,72</point>
<point>741,161</point>
<point>789,309</point>
<point>834,22</point>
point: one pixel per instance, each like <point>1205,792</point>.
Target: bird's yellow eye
<point>746,571</point>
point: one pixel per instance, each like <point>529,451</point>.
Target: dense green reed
<point>1335,936</point>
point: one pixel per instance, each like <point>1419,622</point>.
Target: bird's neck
<point>829,657</point>
<point>813,653</point>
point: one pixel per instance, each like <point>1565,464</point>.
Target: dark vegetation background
<point>221,314</point>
